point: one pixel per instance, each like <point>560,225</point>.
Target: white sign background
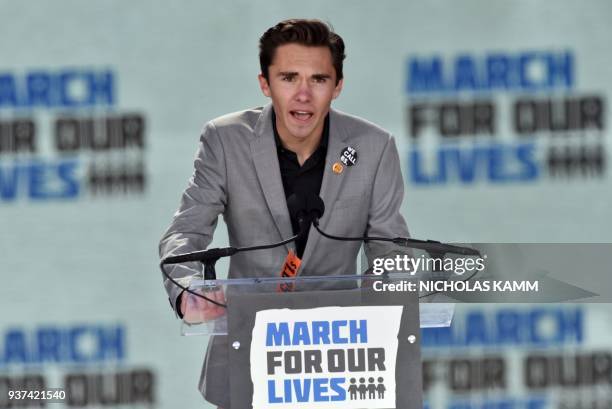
<point>383,324</point>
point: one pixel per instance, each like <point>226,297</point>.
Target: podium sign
<point>324,349</point>
<point>325,355</point>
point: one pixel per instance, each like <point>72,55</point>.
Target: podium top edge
<point>302,279</point>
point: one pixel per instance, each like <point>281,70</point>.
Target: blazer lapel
<point>265,158</point>
<point>330,186</point>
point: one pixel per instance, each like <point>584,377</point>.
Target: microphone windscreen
<point>296,205</point>
<point>315,206</point>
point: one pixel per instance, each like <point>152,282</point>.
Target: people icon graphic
<point>380,388</point>
<point>352,389</point>
<point>362,388</point>
<point>371,389</point>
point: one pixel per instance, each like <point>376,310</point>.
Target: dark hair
<point>314,33</point>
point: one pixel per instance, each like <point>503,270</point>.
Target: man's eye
<point>320,80</point>
<point>288,78</point>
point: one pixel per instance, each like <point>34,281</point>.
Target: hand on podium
<point>196,310</point>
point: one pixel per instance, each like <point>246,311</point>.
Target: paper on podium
<point>433,315</point>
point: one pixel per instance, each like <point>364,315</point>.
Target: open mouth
<point>302,116</point>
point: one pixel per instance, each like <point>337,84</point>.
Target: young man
<point>249,163</point>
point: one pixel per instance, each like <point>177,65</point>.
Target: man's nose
<point>304,93</point>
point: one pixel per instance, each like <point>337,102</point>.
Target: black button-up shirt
<point>305,179</point>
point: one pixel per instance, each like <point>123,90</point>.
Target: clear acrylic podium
<point>318,341</point>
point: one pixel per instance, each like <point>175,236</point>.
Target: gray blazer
<point>237,175</point>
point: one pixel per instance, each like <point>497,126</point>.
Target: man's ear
<point>263,84</point>
<point>338,88</point>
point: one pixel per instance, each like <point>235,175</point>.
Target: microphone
<point>202,255</point>
<point>305,209</point>
<point>209,258</point>
<point>296,204</point>
<point>316,207</point>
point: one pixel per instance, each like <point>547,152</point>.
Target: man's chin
<point>301,134</point>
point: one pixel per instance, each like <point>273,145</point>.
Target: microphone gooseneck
<point>433,248</point>
<point>298,207</point>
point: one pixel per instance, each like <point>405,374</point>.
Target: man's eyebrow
<point>287,73</point>
<point>321,76</point>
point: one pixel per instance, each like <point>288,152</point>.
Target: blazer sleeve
<point>196,218</point>
<point>384,217</point>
